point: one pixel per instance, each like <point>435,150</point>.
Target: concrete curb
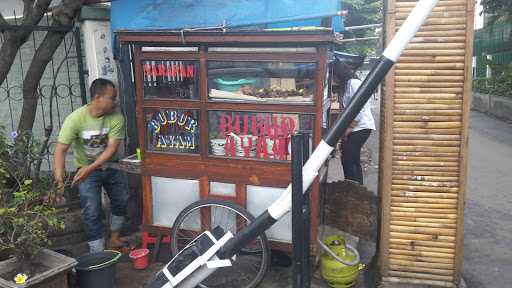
<point>497,106</point>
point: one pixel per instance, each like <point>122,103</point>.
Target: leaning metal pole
<point>310,170</point>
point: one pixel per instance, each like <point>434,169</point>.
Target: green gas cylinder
<point>337,274</point>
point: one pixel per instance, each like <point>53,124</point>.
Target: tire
<point>251,263</point>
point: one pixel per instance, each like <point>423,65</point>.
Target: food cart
<point>215,113</point>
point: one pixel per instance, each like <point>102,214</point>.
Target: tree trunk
<point>62,15</point>
<point>13,39</point>
<point>8,51</point>
<point>42,57</point>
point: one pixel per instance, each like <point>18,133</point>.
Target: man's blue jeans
<point>116,186</point>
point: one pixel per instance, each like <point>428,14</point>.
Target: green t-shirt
<point>89,135</point>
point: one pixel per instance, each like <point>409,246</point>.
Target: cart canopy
<point>158,15</point>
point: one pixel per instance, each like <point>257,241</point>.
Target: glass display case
<point>255,135</point>
<point>216,113</point>
<point>261,82</point>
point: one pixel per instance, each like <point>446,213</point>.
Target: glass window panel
<point>170,79</point>
<point>261,82</point>
<point>172,130</point>
<point>255,135</point>
<point>223,189</point>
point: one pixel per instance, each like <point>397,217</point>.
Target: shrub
<point>25,218</point>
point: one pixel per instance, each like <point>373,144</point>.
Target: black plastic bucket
<point>97,270</point>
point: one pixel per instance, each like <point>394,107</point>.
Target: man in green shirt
<point>95,132</point>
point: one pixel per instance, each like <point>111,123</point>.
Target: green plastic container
<point>233,85</point>
<point>338,275</point>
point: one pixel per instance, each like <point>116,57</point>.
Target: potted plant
<point>26,218</point>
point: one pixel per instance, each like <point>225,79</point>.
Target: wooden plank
<point>386,150</point>
<point>463,163</point>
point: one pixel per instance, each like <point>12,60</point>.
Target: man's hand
<point>56,197</point>
<point>81,175</point>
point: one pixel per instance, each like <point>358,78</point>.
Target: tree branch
<point>14,39</point>
<point>64,14</point>
<point>2,20</point>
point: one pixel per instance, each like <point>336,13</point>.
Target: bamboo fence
<point>424,151</point>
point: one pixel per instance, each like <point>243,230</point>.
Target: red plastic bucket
<point>140,258</point>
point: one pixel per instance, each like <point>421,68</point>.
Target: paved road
<point>488,215</point>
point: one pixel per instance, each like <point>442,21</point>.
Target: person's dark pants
<point>351,154</point>
<point>116,186</point>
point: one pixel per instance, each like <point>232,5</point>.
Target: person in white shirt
<point>360,129</point>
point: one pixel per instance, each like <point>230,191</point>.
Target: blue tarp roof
<point>154,15</point>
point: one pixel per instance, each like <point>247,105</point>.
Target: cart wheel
<point>250,263</point>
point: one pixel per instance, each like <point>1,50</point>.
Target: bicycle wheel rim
<point>250,264</point>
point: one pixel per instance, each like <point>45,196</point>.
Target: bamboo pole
<point>420,106</point>
<point>439,260</point>
<point>423,163</point>
<point>415,118</point>
<point>427,90</point>
<point>449,27</point>
<point>426,149</point>
<point>455,22</point>
<point>430,72</point>
<point>412,188</point>
<point>424,212</point>
<point>443,3</point>
<point>444,66</point>
<point>420,276</point>
<point>428,101</point>
<point>435,14</point>
<point>428,137</point>
<point>428,142</point>
<point>407,200</point>
<point>436,125</point>
<point>425,154</point>
<point>428,85</point>
<point>425,220</point>
<point>415,200</point>
<point>420,78</point>
<point>425,159</point>
<point>439,96</point>
<point>426,216</point>
<point>423,205</point>
<point>419,282</point>
<point>436,9</point>
<point>431,59</point>
<point>422,224</point>
<point>423,173</point>
<point>426,183</point>
<point>425,178</point>
<point>425,243</point>
<point>424,130</point>
<point>435,46</point>
<point>453,39</point>
<point>454,52</point>
<point>453,33</point>
<point>421,264</point>
<point>420,195</point>
<point>422,237</point>
<point>422,249</point>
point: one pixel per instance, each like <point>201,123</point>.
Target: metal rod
<point>80,64</point>
<point>297,217</point>
<point>66,28</point>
